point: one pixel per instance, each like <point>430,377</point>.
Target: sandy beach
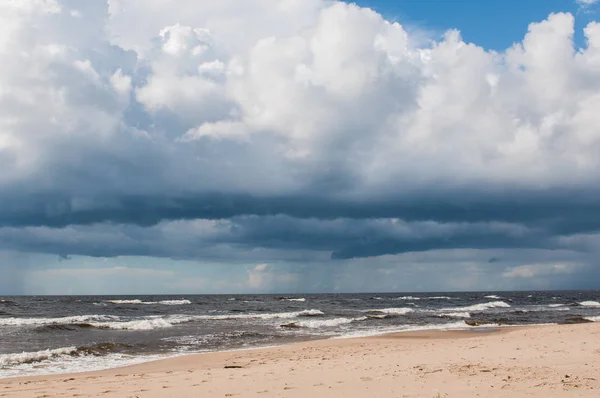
<point>548,361</point>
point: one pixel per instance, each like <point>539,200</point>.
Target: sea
<point>63,334</point>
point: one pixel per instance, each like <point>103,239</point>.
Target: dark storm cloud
<point>340,238</point>
<point>565,212</point>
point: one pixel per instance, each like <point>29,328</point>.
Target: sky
<point>292,146</point>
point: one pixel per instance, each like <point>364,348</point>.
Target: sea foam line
<point>140,302</point>
<point>148,322</point>
<point>589,304</point>
<point>478,307</point>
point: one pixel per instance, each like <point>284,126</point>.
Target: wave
<point>412,298</point>
<point>478,307</point>
<point>175,302</point>
<point>575,320</point>
<point>151,323</point>
<point>589,304</point>
<point>7,360</point>
<point>101,349</point>
<point>137,301</point>
<point>457,325</point>
<point>493,296</point>
<point>455,315</point>
<point>491,322</point>
<point>592,318</point>
<point>141,324</point>
<point>147,323</point>
<point>78,319</point>
<point>129,302</point>
<point>322,323</point>
<point>378,316</point>
<point>556,305</point>
<point>302,299</point>
<point>144,323</point>
<point>393,311</point>
<point>61,327</point>
<point>280,315</point>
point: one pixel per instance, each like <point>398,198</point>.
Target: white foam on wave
<point>156,322</point>
<point>590,304</point>
<point>393,311</point>
<point>142,324</point>
<point>493,296</point>
<point>279,315</point>
<point>455,315</point>
<point>62,360</point>
<point>175,302</point>
<point>457,325</point>
<point>7,360</point>
<point>412,298</point>
<point>302,299</point>
<point>592,318</point>
<point>148,322</point>
<point>478,307</point>
<point>128,302</point>
<point>556,305</point>
<point>140,302</point>
<point>55,321</point>
<point>327,323</point>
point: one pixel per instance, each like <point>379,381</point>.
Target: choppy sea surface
<point>58,334</point>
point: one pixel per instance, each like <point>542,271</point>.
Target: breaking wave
<point>478,307</point>
<point>412,298</point>
<point>592,318</point>
<point>175,302</point>
<point>589,304</point>
<point>7,360</point>
<point>145,323</point>
<point>280,315</point>
<point>323,323</point>
<point>78,319</point>
<point>139,302</point>
<point>392,311</point>
<point>301,300</point>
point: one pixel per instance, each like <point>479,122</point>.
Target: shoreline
<point>416,334</point>
<point>549,361</point>
<point>431,334</point>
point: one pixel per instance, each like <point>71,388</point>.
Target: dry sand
<point>550,361</point>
